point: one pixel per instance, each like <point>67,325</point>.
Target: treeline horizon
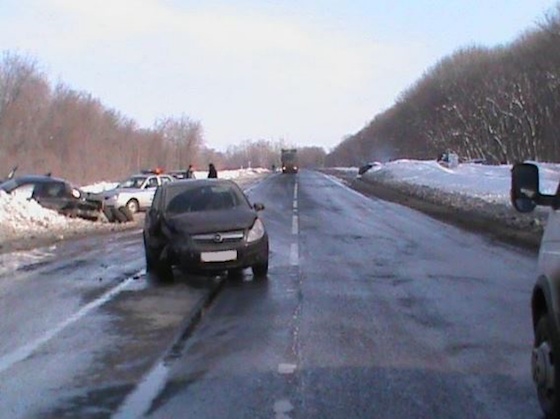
<point>499,104</point>
<point>46,128</point>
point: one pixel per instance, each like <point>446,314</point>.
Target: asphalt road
<point>370,310</point>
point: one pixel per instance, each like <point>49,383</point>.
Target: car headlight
<point>256,232</point>
<point>76,193</point>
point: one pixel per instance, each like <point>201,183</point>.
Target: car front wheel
<point>543,368</point>
<point>133,206</point>
<point>162,270</point>
<point>260,270</point>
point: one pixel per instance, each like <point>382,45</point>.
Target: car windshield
<point>133,182</point>
<point>205,198</point>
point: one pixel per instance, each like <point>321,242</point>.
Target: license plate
<point>223,256</point>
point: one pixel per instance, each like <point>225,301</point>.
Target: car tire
<point>150,260</point>
<point>133,206</point>
<point>129,215</point>
<point>108,213</point>
<point>545,347</point>
<point>122,214</point>
<point>260,270</point>
<point>162,270</point>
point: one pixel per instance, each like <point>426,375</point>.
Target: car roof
<point>198,182</point>
<point>38,178</point>
<point>31,179</point>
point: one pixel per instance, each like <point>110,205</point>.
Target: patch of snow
<point>100,187</point>
<point>489,183</point>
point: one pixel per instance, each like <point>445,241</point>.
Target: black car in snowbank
<point>55,194</point>
<point>204,225</point>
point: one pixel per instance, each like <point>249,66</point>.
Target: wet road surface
<point>370,310</point>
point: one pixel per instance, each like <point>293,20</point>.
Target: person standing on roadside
<point>212,172</point>
<point>190,172</point>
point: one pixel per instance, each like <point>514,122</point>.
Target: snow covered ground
<point>22,219</point>
<point>469,194</point>
<point>465,185</point>
<point>489,183</point>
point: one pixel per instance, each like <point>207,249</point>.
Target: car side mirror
<point>524,192</point>
<point>257,206</point>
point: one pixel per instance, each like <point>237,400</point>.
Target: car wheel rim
<point>542,367</point>
<point>132,207</point>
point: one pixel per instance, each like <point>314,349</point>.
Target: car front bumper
<point>216,258</point>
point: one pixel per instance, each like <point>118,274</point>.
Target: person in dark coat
<point>212,172</point>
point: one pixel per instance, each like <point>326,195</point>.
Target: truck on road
<point>289,160</point>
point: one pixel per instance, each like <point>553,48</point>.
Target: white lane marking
<point>23,352</point>
<point>339,183</point>
<point>286,368</point>
<point>295,224</point>
<point>137,404</point>
<point>294,207</point>
<point>295,191</point>
<point>294,254</point>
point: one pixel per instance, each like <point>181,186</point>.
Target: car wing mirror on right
<point>524,186</point>
<point>258,206</point>
<point>525,189</point>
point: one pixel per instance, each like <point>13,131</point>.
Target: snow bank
<point>489,183</point>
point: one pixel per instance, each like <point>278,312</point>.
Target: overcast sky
<point>308,72</point>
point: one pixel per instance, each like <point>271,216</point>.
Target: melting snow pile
<point>19,216</point>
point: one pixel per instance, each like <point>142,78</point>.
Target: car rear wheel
<point>543,368</point>
<point>260,270</point>
<point>133,206</point>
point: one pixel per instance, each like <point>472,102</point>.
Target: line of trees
<point>71,134</point>
<point>500,104</point>
<point>46,128</point>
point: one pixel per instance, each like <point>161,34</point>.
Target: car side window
<point>51,190</point>
<point>152,183</point>
<point>40,191</point>
<point>165,179</point>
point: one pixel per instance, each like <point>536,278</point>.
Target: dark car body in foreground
<point>55,194</point>
<point>204,225</point>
